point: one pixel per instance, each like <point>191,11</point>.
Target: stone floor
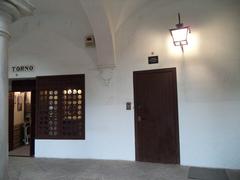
<point>21,151</point>
<point>21,168</point>
<point>54,169</point>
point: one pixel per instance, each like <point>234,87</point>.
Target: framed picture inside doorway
<point>19,102</point>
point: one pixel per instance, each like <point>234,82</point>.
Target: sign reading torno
<point>23,68</point>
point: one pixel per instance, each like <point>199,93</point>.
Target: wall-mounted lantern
<point>180,34</point>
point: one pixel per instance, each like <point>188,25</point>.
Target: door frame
<point>10,119</point>
<point>174,71</point>
<point>23,85</point>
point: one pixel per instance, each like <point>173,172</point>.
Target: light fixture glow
<point>69,91</point>
<point>180,34</point>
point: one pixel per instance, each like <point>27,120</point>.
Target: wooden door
<point>33,115</point>
<point>156,116</point>
<point>11,119</point>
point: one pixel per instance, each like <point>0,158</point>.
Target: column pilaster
<point>10,11</point>
<point>5,19</point>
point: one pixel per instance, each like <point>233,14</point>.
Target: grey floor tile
<point>65,169</point>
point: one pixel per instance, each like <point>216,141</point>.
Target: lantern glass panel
<point>179,34</point>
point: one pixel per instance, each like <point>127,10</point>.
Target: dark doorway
<point>156,116</point>
<point>22,117</point>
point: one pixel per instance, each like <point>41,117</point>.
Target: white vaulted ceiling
<point>74,19</point>
<point>55,32</point>
<point>64,17</point>
<point>120,11</point>
<point>103,33</point>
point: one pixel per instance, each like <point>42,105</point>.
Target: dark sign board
<point>152,59</point>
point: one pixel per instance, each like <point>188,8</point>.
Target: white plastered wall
<point>208,80</point>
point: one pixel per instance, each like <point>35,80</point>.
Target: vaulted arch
<point>104,36</point>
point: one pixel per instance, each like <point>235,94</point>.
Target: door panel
<point>33,114</point>
<point>156,116</point>
<point>11,119</point>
